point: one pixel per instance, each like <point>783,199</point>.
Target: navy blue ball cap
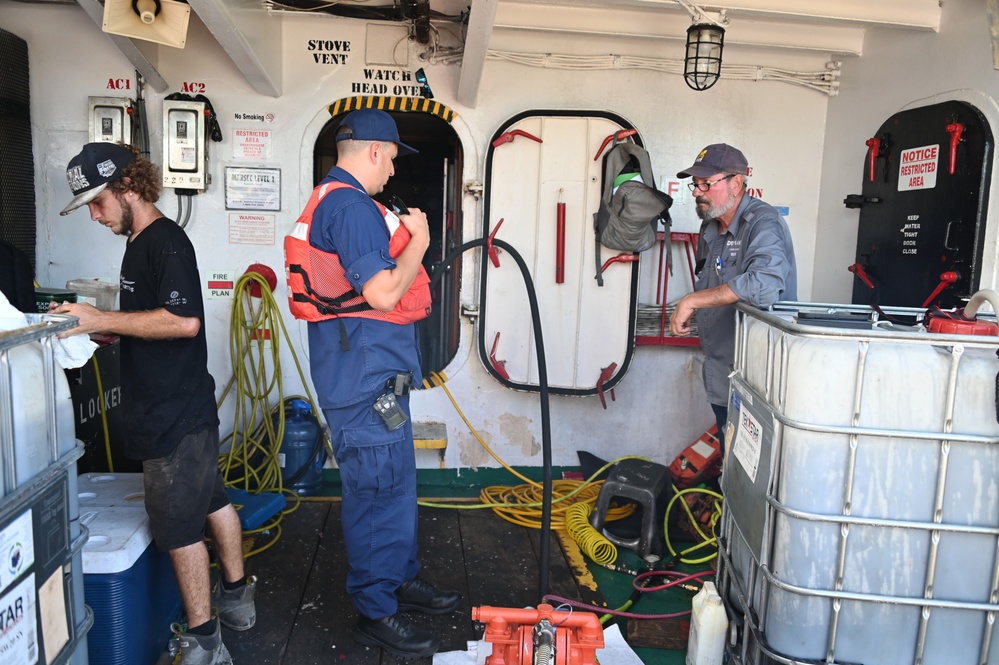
<point>372,125</point>
<point>717,158</point>
<point>90,172</point>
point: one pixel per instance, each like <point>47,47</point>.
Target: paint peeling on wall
<point>518,430</point>
<point>471,452</point>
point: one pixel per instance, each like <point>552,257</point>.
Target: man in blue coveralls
<point>744,253</point>
<point>364,356</point>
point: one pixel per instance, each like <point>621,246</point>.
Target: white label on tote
<point>747,443</point>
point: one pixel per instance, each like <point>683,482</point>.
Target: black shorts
<point>183,488</point>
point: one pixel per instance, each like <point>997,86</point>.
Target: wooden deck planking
<point>305,617</point>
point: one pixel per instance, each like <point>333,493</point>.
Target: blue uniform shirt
<point>755,257</point>
<point>348,222</point>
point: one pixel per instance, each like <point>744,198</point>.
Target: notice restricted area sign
<point>918,168</point>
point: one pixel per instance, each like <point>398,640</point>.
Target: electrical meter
<point>184,157</point>
<point>111,119</point>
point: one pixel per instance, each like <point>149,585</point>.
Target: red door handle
<point>560,240</point>
<point>873,150</point>
<point>955,129</point>
<point>859,271</point>
<point>946,279</point>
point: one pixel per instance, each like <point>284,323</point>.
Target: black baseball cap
<point>90,172</point>
<point>717,158</point>
<point>371,125</point>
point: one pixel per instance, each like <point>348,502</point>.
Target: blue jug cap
<point>300,405</point>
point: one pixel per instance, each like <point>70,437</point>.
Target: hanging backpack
<point>630,206</point>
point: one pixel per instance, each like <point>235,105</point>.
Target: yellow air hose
<point>591,542</point>
<point>251,462</point>
<point>522,504</point>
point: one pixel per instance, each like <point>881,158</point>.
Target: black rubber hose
<point>546,430</point>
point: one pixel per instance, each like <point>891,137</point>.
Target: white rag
<point>70,353</point>
<point>615,651</point>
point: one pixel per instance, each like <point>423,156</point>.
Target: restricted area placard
<point>918,168</point>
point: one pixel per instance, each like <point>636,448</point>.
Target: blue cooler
<point>129,585</point>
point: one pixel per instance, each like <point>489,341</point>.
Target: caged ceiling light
<point>705,41</point>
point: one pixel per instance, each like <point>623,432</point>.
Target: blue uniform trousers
<point>379,511</point>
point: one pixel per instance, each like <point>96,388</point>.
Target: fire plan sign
<point>220,285</point>
<point>918,168</point>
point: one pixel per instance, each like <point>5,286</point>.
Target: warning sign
<point>251,228</point>
<point>220,285</point>
<point>918,168</point>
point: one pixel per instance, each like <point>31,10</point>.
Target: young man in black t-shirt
<point>171,422</point>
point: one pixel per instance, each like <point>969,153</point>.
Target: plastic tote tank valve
<point>301,456</point>
<point>861,517</point>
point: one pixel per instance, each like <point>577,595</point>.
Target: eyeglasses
<point>706,185</point>
<point>425,90</point>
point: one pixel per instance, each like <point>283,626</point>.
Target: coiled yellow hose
<point>591,542</point>
<point>522,504</point>
<point>258,429</point>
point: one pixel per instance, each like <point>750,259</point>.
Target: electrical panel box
<point>111,119</point>
<point>184,157</point>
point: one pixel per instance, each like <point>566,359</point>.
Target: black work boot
<point>421,596</point>
<point>397,635</point>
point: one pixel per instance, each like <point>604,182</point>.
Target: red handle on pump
<point>955,129</point>
<point>874,149</point>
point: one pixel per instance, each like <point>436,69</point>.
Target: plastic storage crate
<point>860,521</point>
<point>130,586</point>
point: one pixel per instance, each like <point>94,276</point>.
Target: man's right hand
<point>418,227</point>
<point>679,321</point>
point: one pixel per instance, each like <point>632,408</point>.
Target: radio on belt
<point>387,406</point>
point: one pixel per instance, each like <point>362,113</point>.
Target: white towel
<point>70,353</point>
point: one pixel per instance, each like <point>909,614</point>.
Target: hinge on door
<point>471,311</point>
<point>474,187</point>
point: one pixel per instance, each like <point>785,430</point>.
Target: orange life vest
<point>318,289</point>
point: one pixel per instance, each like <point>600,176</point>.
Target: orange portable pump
<point>699,462</point>
<point>540,637</point>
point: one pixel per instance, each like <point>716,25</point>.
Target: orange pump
<point>540,637</point>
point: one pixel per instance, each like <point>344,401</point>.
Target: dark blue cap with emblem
<point>90,172</point>
<point>717,158</point>
<point>371,125</point>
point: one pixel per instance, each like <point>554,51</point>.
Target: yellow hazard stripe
<point>418,104</point>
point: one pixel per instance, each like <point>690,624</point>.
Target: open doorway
<point>430,181</point>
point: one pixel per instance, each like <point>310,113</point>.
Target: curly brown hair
<point>143,178</point>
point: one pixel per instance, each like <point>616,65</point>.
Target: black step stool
<point>640,481</point>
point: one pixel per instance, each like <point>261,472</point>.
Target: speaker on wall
<point>160,21</point>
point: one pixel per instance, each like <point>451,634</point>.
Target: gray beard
<point>714,212</point>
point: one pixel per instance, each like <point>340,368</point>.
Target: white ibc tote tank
<point>36,411</point>
<point>38,453</point>
<point>869,507</point>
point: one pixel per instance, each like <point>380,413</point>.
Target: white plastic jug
<point>708,627</point>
